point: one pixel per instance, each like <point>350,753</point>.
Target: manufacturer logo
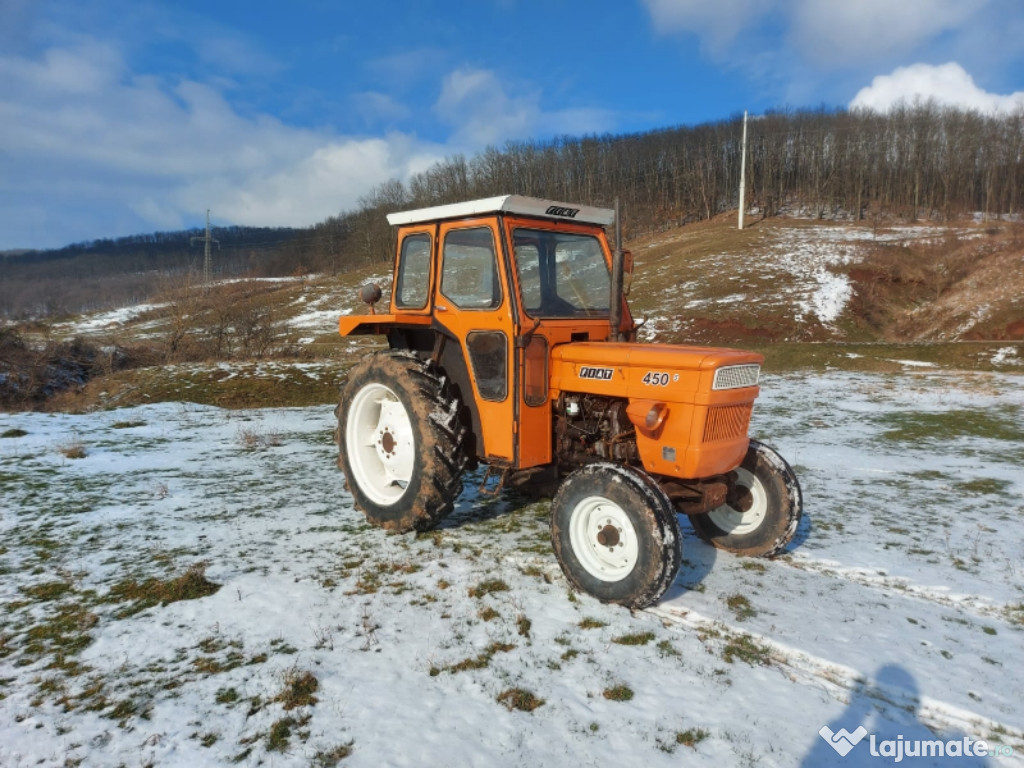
<point>557,210</point>
<point>601,374</point>
<point>842,741</point>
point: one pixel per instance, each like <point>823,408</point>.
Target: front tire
<point>400,441</point>
<point>763,508</point>
<point>615,534</point>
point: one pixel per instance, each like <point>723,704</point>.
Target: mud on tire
<point>615,534</point>
<point>763,510</point>
<point>401,443</point>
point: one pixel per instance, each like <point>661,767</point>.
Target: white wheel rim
<point>380,444</point>
<point>603,539</point>
<point>733,521</point>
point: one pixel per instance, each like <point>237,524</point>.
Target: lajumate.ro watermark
<point>843,742</point>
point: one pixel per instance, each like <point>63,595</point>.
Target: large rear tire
<point>400,441</point>
<point>615,534</point>
<point>762,511</point>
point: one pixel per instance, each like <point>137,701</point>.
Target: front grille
<point>736,376</point>
<point>727,422</point>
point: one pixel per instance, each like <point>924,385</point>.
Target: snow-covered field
<point>899,608</point>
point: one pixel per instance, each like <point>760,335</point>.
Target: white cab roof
<point>525,206</point>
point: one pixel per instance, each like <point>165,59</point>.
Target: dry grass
<point>73,449</point>
<point>141,595</point>
<point>520,699</point>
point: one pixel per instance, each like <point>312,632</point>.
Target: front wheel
<point>615,534</point>
<point>762,510</point>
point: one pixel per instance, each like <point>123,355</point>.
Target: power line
<point>206,248</point>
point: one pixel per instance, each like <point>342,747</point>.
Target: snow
<point>899,607</point>
<point>115,318</point>
<point>1004,356</point>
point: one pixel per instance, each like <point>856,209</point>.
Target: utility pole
<point>743,170</point>
<point>206,249</point>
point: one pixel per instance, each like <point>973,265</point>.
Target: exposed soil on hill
<point>807,293</point>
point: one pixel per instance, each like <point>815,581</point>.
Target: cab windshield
<point>561,274</point>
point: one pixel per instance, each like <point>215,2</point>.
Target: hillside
<point>804,292</point>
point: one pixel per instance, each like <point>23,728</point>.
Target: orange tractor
<point>512,345</point>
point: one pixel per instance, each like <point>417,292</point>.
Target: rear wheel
<point>400,441</point>
<point>615,534</point>
<point>763,508</point>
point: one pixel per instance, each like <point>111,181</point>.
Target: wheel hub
<point>603,538</point>
<point>746,505</point>
<point>740,498</point>
<point>608,536</point>
<point>380,443</point>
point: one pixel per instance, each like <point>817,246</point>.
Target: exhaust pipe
<point>615,300</point>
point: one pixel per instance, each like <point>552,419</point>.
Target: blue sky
<point>126,117</point>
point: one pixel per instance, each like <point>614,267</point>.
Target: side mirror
<point>627,272</point>
<point>370,293</point>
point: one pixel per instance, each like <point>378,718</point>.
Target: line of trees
<point>916,161</point>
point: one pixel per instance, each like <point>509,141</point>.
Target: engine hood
<point>672,372</point>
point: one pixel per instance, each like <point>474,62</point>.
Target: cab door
<point>473,304</point>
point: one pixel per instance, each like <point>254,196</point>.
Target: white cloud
<point>85,140</point>
<point>717,24</point>
<point>946,84</point>
<point>833,34</point>
<point>89,148</point>
<point>478,105</point>
<point>842,33</point>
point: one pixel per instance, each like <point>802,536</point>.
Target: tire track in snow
<point>841,682</point>
<point>897,585</point>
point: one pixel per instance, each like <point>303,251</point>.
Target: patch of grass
<point>328,758</point>
<point>519,698</point>
<point>667,650</point>
<point>983,486</point>
<point>127,424</point>
<point>691,737</point>
<point>523,626</point>
<point>63,633</point>
<point>488,614</point>
<point>13,432</point>
<point>75,449</point>
<point>740,606</point>
<point>745,648</point>
<point>915,426</point>
<point>618,693</point>
<point>191,585</point>
<point>988,630</point>
<point>1015,614</point>
<point>488,587</point>
<point>480,661</point>
<point>280,733</point>
<point>753,565</point>
<point>299,688</point>
<point>591,623</point>
<point>227,696</point>
<point>640,638</point>
<point>51,590</point>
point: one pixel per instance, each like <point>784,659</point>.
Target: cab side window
<point>469,276</point>
<point>413,287</point>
